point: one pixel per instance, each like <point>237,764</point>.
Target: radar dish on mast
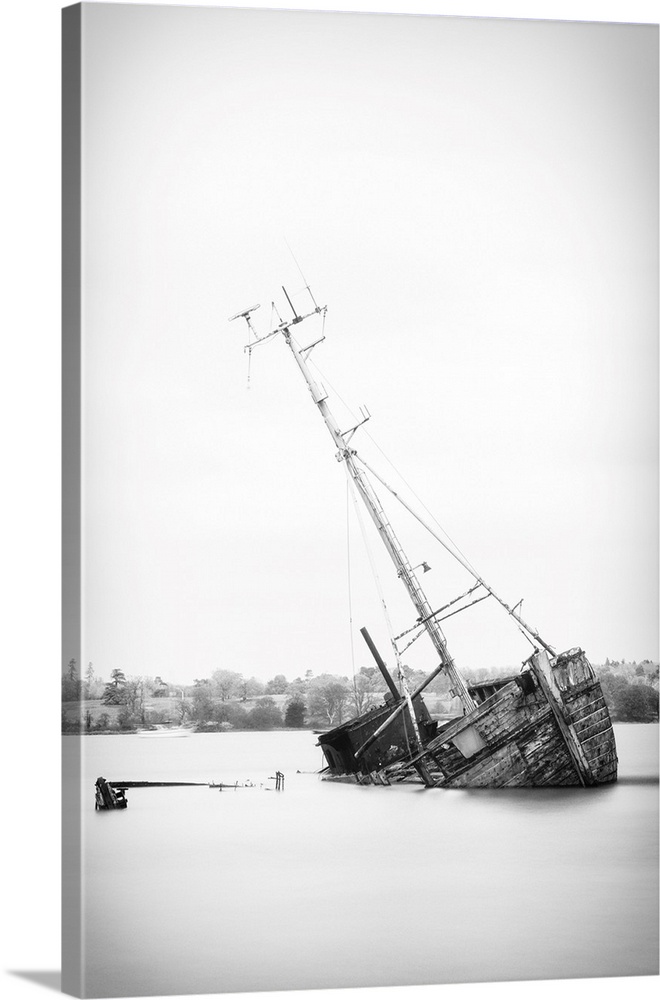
<point>244,314</point>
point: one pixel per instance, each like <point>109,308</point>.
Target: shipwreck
<point>547,725</point>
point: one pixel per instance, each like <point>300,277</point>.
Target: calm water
<point>330,885</point>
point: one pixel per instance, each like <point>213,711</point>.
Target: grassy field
<point>159,711</point>
<point>162,710</point>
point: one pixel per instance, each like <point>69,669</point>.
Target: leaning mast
<point>347,455</point>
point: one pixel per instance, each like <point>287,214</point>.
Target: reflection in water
<point>332,885</point>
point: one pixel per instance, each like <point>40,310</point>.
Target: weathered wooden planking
<point>524,744</point>
<point>593,726</point>
<point>547,726</point>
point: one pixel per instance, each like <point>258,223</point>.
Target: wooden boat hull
<point>549,726</point>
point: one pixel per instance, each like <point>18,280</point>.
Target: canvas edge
<point>71,902</point>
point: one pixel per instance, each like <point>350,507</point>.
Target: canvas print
<point>360,409</point>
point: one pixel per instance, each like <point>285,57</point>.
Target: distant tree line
<point>228,701</point>
<point>630,690</point>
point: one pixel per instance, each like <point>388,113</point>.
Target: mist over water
<point>331,885</point>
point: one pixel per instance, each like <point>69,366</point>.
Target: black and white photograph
<point>359,503</point>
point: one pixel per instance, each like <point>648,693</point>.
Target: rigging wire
<point>452,548</point>
<point>521,626</point>
<point>350,597</point>
<point>326,381</point>
<point>454,600</point>
<point>250,346</point>
<point>444,618</point>
<point>465,561</point>
<point>372,564</point>
<point>307,288</point>
<point>401,676</point>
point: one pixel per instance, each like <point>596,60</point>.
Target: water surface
<point>331,885</point>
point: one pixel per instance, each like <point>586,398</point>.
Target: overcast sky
<point>476,203</point>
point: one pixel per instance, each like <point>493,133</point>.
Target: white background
<point>30,398</point>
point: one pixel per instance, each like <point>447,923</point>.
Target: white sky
<point>476,202</point>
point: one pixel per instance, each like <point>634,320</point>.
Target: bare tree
<point>249,688</point>
<point>363,693</point>
<point>181,710</point>
<point>226,683</point>
<point>134,698</point>
<point>327,698</point>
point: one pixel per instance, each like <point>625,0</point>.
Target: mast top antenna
<point>245,314</point>
<point>296,317</point>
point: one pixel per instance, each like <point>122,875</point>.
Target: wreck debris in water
<point>112,794</point>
